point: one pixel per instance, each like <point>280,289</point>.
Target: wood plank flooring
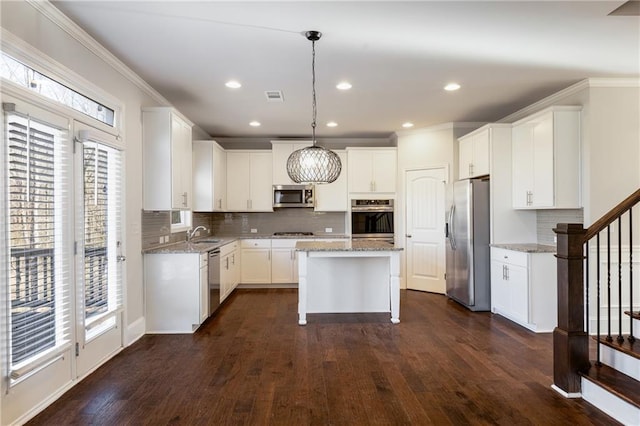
<point>251,364</point>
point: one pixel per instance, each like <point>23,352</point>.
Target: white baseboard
<point>134,331</point>
<point>566,394</point>
<point>605,401</point>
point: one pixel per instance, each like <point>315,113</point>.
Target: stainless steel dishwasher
<point>214,280</point>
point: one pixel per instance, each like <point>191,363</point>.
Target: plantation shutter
<point>39,275</point>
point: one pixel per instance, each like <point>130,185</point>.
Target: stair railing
<point>570,337</point>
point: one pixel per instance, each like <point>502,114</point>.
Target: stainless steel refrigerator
<point>467,254</point>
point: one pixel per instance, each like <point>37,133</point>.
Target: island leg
<point>394,286</point>
<point>302,287</point>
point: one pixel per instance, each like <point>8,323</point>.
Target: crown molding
<point>52,13</point>
<point>558,97</point>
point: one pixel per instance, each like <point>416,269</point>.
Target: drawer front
<point>284,243</point>
<point>518,258</point>
<point>256,243</point>
<point>228,248</point>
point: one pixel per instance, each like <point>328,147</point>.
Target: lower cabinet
<point>176,292</point>
<point>229,269</point>
<point>284,262</point>
<point>256,261</point>
<point>524,288</point>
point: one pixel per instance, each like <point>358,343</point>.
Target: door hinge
<point>77,349</point>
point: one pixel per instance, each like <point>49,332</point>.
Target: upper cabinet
<point>209,177</point>
<point>249,181</point>
<point>372,170</point>
<point>474,154</point>
<point>333,197</point>
<point>546,160</point>
<point>166,153</point>
<point>281,151</point>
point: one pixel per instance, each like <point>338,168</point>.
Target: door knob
<point>408,235</point>
<point>121,258</point>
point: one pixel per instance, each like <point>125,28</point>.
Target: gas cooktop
<point>289,234</point>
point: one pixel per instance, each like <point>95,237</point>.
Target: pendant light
<point>313,164</point>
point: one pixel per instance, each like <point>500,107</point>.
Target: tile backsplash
<point>157,224</point>
<point>549,219</point>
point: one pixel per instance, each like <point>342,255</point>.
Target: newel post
<point>570,342</point>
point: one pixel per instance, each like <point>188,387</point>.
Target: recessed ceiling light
<point>451,87</point>
<point>232,84</point>
<point>407,125</point>
<point>332,124</point>
<point>254,124</point>
<point>344,85</point>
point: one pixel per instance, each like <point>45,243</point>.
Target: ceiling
<point>397,55</point>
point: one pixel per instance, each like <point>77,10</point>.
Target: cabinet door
<point>334,197</point>
<point>238,181</point>
<point>518,283</point>
<point>282,265</point>
<point>225,277</point>
<point>219,179</point>
<point>256,266</point>
<point>481,153</point>
<point>261,189</point>
<point>465,157</point>
<point>384,169</point>
<point>281,153</point>
<point>543,170</point>
<point>179,196</point>
<point>360,171</point>
<point>234,262</point>
<point>522,166</point>
<point>204,294</point>
<point>499,290</point>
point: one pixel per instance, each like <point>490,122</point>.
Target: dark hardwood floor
<point>252,364</point>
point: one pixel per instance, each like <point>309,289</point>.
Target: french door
<point>99,259</point>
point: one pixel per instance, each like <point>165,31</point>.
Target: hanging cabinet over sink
<point>166,155</point>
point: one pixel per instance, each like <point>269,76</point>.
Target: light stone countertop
<point>527,247</point>
<point>351,245</point>
<point>198,247</point>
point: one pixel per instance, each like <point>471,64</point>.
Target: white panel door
<point>425,239</point>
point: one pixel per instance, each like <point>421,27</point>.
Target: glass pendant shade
<point>314,164</point>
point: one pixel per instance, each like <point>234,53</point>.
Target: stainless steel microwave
<point>293,196</point>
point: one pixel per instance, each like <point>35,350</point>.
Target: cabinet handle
<point>506,268</point>
<point>504,275</point>
<point>233,259</point>
<point>269,255</point>
<point>184,199</point>
<point>227,265</point>
<point>470,169</point>
<point>220,203</point>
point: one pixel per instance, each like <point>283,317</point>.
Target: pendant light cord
<point>313,91</point>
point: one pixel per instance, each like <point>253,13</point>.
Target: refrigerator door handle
<point>452,232</point>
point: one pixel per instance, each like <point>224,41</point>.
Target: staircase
<point>599,359</point>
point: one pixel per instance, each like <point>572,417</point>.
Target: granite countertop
<point>200,247</point>
<point>527,247</point>
<point>351,245</point>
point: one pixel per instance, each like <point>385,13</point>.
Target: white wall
<point>430,147</point>
<point>34,27</point>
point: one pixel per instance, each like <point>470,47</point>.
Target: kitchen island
<point>348,277</point>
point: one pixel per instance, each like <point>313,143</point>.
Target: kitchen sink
<point>207,241</point>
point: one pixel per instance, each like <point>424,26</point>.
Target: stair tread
<point>631,349</point>
<point>618,383</point>
<point>634,314</point>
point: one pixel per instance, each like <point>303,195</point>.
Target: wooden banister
<point>612,215</point>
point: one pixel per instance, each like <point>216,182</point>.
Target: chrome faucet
<point>192,232</point>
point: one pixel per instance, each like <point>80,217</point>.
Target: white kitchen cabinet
<point>546,160</point>
<point>229,269</point>
<point>473,158</point>
<point>249,181</point>
<point>281,150</point>
<point>167,165</point>
<point>524,289</point>
<point>176,292</point>
<point>256,261</point>
<point>209,177</point>
<point>334,197</point>
<point>284,261</point>
<point>372,170</point>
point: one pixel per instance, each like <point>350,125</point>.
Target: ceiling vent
<point>274,96</point>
